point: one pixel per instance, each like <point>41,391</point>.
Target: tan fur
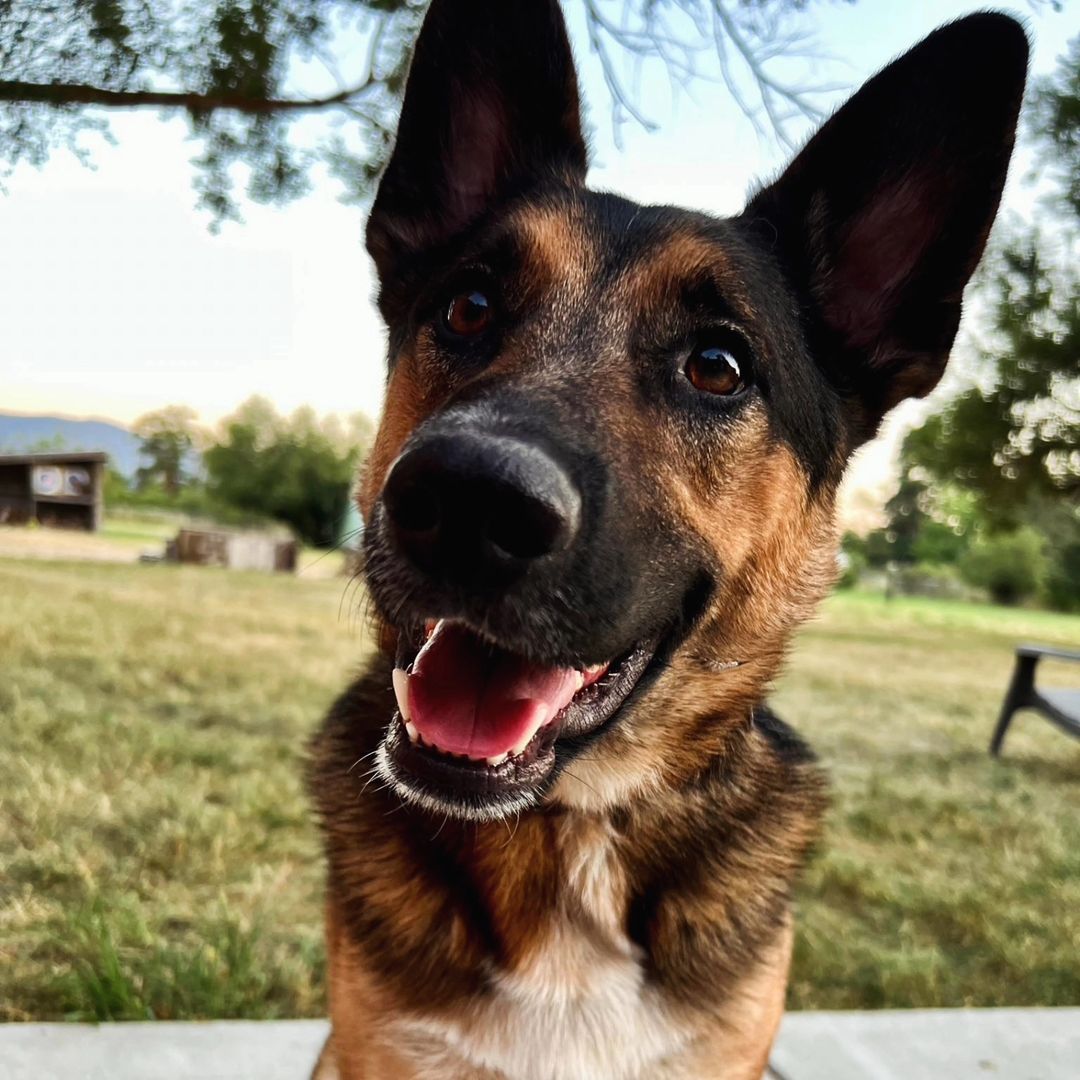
<point>409,399</point>
<point>559,258</point>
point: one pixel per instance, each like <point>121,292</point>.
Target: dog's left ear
<point>491,108</point>
<point>882,218</point>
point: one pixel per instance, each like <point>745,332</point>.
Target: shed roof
<point>56,457</point>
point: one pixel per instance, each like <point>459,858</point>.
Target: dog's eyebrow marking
<point>556,246</point>
<point>701,295</point>
<point>691,269</point>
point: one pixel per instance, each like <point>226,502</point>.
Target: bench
<point>1060,707</point>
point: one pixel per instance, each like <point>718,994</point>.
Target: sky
<point>117,299</point>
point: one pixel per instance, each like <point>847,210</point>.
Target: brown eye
<point>715,370</point>
<point>468,314</point>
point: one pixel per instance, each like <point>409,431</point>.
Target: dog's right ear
<point>491,108</point>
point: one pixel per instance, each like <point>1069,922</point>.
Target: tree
<point>1010,566</point>
<point>1011,437</point>
<point>1016,436</point>
<point>246,71</point>
<point>168,441</point>
<point>298,470</point>
<point>1013,434</point>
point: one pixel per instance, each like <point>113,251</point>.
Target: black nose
<point>470,505</point>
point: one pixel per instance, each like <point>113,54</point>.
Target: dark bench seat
<point>1060,707</point>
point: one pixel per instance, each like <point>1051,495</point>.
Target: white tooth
<point>410,727</point>
<point>497,760</point>
<point>580,679</point>
<point>525,740</point>
<point>401,692</point>
<point>427,644</point>
<point>592,669</point>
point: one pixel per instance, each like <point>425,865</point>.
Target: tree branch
<point>60,94</point>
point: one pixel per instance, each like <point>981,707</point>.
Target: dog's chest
<point>579,1006</point>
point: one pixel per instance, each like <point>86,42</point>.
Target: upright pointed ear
<point>491,108</point>
<point>882,218</point>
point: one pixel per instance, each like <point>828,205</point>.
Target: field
<point>124,537</point>
<point>157,858</point>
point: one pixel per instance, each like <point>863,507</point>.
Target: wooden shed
<point>65,490</point>
<point>234,549</point>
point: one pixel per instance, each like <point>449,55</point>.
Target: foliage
<point>926,523</point>
<point>1059,522</point>
<point>296,470</point>
<point>930,579</point>
<point>156,837</point>
<point>168,439</point>
<point>938,543</point>
<point>1062,585</point>
<point>280,86</point>
<point>853,561</point>
<point>1013,435</point>
<point>1010,566</point>
<point>115,488</point>
<point>1016,435</point>
<point>1055,115</point>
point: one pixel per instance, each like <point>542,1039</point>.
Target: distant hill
<point>19,434</point>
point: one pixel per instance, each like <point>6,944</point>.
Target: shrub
<point>1009,566</point>
<point>1062,588</point>
<point>938,543</point>
<point>852,563</point>
<point>928,579</point>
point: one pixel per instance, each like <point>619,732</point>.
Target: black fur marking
<point>786,742</point>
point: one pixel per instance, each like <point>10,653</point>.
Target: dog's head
<point>602,492</point>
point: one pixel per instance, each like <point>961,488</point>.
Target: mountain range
<point>21,434</point>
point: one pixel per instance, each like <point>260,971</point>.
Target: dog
<point>562,827</point>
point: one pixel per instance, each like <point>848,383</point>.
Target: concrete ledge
<point>215,1050</point>
<point>930,1044</point>
<point>937,1044</point>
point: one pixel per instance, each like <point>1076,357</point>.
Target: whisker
<point>373,774</point>
<point>510,839</point>
<point>369,754</point>
<point>574,776</point>
<point>330,551</point>
<point>445,819</point>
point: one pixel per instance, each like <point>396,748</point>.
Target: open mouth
<point>476,728</point>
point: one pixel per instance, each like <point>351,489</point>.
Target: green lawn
<point>157,857</point>
<point>140,530</point>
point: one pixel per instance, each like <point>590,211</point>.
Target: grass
<point>145,530</point>
<point>157,858</point>
<point>945,878</point>
<point>156,852</point>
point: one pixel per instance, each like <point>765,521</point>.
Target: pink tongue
<point>466,697</point>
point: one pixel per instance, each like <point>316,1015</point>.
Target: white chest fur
<point>579,1010</point>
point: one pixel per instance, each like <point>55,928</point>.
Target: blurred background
<point>190,374</point>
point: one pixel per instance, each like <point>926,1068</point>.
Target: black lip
<point>476,789</point>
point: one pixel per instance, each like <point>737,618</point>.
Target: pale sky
<point>116,298</point>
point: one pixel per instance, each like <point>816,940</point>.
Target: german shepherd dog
<point>562,826</point>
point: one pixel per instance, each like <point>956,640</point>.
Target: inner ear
<point>477,157</point>
<point>877,256</point>
<point>491,109</point>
